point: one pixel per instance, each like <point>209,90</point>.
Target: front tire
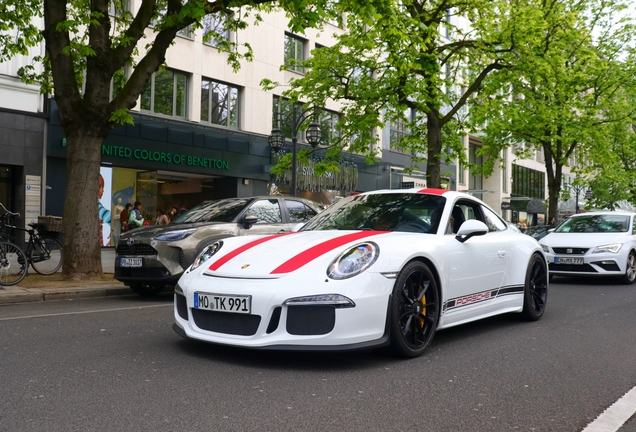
<point>46,256</point>
<point>415,309</point>
<point>146,290</point>
<point>630,272</point>
<point>535,292</point>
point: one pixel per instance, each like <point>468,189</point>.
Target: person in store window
<point>135,219</point>
<point>123,217</point>
<point>162,219</point>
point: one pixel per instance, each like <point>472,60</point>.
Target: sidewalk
<point>67,290</point>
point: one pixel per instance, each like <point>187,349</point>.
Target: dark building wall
<point>21,147</point>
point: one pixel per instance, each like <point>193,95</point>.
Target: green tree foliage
<point>88,48</point>
<point>405,64</point>
<point>559,93</point>
<point>613,178</point>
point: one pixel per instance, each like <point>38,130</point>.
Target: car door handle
<point>501,253</point>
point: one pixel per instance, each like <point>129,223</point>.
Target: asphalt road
<point>115,364</point>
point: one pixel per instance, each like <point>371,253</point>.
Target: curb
<point>28,295</point>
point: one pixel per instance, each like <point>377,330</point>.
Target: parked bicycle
<point>43,253</point>
<point>13,264</point>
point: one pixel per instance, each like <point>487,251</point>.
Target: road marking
<point>616,415</point>
<point>84,312</point>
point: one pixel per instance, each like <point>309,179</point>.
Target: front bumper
<point>598,264</point>
<point>273,325</point>
<point>163,267</point>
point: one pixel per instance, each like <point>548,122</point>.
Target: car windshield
<point>384,212</point>
<point>225,210</point>
<point>595,224</point>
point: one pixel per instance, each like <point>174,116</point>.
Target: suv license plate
<point>223,303</point>
<point>130,262</point>
<point>568,260</point>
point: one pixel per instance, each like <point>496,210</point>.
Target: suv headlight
<point>613,248</point>
<point>545,248</point>
<point>354,261</point>
<point>175,235</point>
<point>206,254</point>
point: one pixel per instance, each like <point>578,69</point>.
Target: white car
<point>375,269</point>
<point>593,244</point>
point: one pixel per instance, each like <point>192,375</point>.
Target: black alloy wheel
<point>415,310</point>
<point>147,290</point>
<point>535,293</point>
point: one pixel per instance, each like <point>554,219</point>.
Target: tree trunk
<point>434,137</point>
<point>82,251</point>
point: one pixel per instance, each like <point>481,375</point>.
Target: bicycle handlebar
<point>7,211</point>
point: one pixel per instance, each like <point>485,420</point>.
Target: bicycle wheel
<point>13,264</point>
<point>46,256</point>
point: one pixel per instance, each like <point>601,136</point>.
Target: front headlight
<point>613,248</point>
<point>175,235</point>
<point>206,254</point>
<point>354,261</point>
<point>545,248</point>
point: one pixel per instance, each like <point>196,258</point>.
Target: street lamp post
<point>577,189</point>
<point>313,134</point>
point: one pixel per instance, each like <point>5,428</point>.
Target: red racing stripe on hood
<point>312,253</point>
<point>215,265</point>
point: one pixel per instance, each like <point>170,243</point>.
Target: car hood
<point>583,239</point>
<point>155,230</point>
<point>276,255</point>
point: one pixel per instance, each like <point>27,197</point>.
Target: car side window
<point>493,221</point>
<point>267,211</point>
<point>298,212</point>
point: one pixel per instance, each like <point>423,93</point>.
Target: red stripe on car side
<point>312,253</point>
<point>215,265</point>
<point>432,191</point>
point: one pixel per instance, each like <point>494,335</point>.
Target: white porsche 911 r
<point>383,268</point>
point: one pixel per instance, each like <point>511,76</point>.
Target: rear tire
<point>535,293</point>
<point>46,256</point>
<point>147,290</point>
<point>13,264</point>
<point>415,309</point>
<point>630,272</point>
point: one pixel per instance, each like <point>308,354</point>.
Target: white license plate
<point>568,260</point>
<point>130,262</point>
<point>223,303</point>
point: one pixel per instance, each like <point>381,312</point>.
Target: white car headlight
<point>613,248</point>
<point>206,254</point>
<point>175,235</point>
<point>545,248</point>
<point>353,261</point>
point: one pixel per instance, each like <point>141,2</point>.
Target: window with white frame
<point>219,103</point>
<point>284,113</point>
<point>116,9</point>
<point>215,28</point>
<point>184,32</point>
<point>166,93</point>
<point>398,129</point>
<point>294,53</point>
<point>328,121</point>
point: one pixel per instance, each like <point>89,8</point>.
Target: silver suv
<point>149,258</point>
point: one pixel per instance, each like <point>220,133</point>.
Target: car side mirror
<point>298,226</point>
<point>471,228</point>
<point>248,221</point>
